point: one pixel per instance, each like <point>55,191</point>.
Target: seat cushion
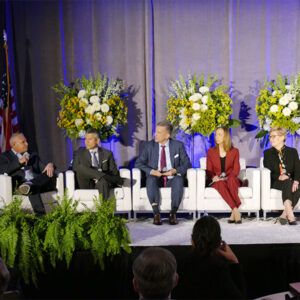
<point>244,193</point>
<point>275,193</point>
<point>164,192</point>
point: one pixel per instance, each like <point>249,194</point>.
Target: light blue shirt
<point>168,159</point>
<point>28,170</point>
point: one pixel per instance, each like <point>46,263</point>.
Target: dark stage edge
<point>268,269</point>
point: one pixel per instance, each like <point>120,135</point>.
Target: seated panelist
<point>165,163</point>
<point>95,167</point>
<point>29,174</point>
<point>223,168</point>
<point>284,164</point>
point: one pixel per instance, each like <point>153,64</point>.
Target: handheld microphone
<point>223,175</point>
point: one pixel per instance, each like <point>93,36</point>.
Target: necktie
<point>163,164</point>
<point>95,162</point>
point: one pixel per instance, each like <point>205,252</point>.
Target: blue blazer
<point>148,159</point>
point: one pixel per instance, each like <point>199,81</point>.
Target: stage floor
<point>251,231</point>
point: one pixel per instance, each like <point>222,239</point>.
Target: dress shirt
<point>92,151</point>
<point>168,159</point>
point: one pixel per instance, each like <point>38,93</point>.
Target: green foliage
<point>25,238</point>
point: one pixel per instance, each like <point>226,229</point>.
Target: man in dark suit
<point>29,174</point>
<point>165,163</point>
<point>95,167</point>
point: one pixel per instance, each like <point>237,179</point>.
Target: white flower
<point>204,99</point>
<point>81,93</point>
<point>288,96</point>
<point>104,107</point>
<point>78,122</point>
<point>267,127</point>
<point>183,124</point>
<point>89,110</point>
<point>203,107</point>
<point>96,106</point>
<point>293,105</point>
<point>283,100</point>
<point>268,121</point>
<point>286,111</point>
<point>274,93</point>
<point>93,92</point>
<point>196,106</point>
<point>298,131</point>
<point>94,99</point>
<point>109,120</point>
<point>196,116</point>
<point>274,108</point>
<point>288,87</point>
<point>82,133</point>
<point>182,115</point>
<point>195,97</point>
<point>204,89</point>
<point>98,116</point>
<point>296,120</point>
<point>84,101</point>
<point>88,121</point>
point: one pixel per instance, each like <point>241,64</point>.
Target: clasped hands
<point>295,186</point>
<point>218,178</point>
<point>158,173</point>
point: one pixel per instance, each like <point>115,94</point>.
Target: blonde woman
<point>284,164</point>
<point>223,168</point>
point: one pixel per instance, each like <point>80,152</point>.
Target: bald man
<point>29,174</point>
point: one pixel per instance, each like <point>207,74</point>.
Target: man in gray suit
<point>165,163</point>
<point>95,167</point>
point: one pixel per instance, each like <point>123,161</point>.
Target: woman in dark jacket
<point>284,164</point>
<point>211,270</point>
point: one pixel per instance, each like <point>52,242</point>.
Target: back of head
<point>155,272</point>
<point>206,235</point>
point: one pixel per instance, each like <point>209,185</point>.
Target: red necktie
<point>163,164</point>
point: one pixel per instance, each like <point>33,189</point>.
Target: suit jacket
<point>271,161</point>
<point>213,163</point>
<point>148,160</point>
<point>9,164</point>
<point>208,277</point>
<point>85,172</point>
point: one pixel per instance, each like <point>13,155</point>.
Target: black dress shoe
<point>282,221</point>
<point>238,221</point>
<point>230,221</point>
<point>173,219</point>
<point>157,220</point>
<point>292,222</point>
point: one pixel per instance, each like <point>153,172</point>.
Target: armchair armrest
<point>5,189</point>
<point>192,184</point>
<point>253,176</point>
<point>125,173</point>
<point>70,182</point>
<point>265,186</point>
<point>60,185</point>
<point>201,176</point>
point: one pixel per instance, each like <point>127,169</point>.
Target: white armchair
<point>140,201</point>
<point>49,198</point>
<point>271,199</point>
<point>209,199</point>
<point>85,197</point>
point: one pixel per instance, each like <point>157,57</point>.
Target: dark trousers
<point>153,184</point>
<point>286,187</point>
<point>40,184</point>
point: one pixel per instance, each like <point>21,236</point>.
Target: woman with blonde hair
<point>223,168</point>
<point>284,164</point>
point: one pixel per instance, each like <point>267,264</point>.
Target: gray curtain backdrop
<point>147,43</point>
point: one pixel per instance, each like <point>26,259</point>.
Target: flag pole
<point>8,85</point>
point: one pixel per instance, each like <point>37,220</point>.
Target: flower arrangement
<point>278,105</point>
<point>98,103</point>
<point>195,107</point>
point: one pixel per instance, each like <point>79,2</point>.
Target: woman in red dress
<point>223,168</point>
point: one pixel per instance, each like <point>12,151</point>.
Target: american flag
<point>8,113</point>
